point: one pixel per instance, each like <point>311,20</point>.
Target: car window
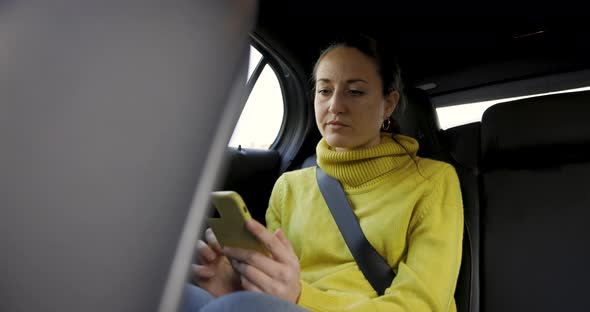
<point>456,115</point>
<point>255,58</point>
<point>262,117</point>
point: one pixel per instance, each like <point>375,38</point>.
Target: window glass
<point>452,116</point>
<point>262,116</point>
<point>255,58</point>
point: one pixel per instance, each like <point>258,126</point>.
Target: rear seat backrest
<point>463,144</point>
<point>535,200</point>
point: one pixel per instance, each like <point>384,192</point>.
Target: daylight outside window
<point>262,117</point>
<point>457,115</point>
<point>255,58</point>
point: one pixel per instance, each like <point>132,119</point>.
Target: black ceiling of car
<point>438,44</point>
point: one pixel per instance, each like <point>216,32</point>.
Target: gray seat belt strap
<point>374,267</point>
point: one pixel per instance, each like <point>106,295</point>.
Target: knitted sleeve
<point>273,212</point>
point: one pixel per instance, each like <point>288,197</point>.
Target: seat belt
<point>374,267</point>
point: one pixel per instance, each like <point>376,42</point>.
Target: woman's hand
<point>213,272</point>
<point>278,275</point>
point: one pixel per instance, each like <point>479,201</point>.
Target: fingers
<point>254,278</point>
<point>253,258</point>
<point>278,275</point>
<point>283,282</point>
<point>205,253</point>
<point>208,252</point>
<point>201,272</point>
<point>272,243</point>
<point>212,240</point>
<point>247,285</point>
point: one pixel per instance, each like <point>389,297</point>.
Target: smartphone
<point>230,228</point>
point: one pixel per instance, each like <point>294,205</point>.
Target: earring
<point>386,124</point>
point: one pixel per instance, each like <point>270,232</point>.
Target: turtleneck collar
<point>357,167</point>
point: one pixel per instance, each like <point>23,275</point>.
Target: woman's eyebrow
<point>349,81</point>
<point>356,80</point>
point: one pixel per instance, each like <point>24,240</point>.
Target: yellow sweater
<point>410,210</point>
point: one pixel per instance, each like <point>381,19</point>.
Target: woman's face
<point>349,103</point>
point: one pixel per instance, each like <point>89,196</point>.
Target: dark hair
<point>387,67</point>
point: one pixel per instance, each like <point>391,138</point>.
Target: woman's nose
<point>337,104</point>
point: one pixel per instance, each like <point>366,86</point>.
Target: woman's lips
<point>336,125</point>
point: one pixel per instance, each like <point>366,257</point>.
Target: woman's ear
<point>391,100</point>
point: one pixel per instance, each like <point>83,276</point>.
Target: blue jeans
<point>197,299</point>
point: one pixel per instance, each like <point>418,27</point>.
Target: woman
<point>409,208</point>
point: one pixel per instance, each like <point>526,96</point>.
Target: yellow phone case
<point>230,229</point>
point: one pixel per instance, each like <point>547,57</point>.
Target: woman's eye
<point>324,91</point>
<point>356,92</point>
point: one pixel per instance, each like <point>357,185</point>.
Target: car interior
<point>116,118</point>
<point>521,166</point>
